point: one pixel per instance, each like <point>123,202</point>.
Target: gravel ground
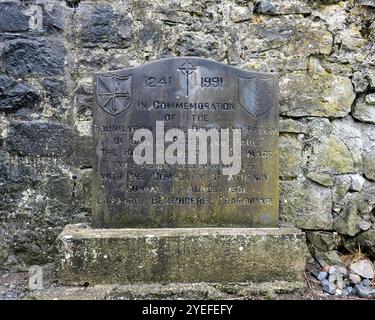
<point>13,286</point>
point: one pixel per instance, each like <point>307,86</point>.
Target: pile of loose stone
<point>355,280</point>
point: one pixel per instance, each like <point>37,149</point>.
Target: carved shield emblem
<point>256,95</point>
<point>113,93</point>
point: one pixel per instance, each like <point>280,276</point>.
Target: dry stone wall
<point>324,52</point>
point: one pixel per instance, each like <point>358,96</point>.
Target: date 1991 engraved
<point>214,82</point>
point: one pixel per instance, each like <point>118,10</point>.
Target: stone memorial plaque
<point>185,142</point>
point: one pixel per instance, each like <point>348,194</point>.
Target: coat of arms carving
<point>256,95</point>
<point>113,93</point>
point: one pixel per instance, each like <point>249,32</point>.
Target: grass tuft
<point>354,257</point>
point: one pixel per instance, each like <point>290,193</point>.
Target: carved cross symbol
<point>187,69</point>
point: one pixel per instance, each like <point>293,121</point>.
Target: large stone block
<point>12,18</point>
<point>56,89</point>
<point>364,109</point>
<point>180,255</point>
<point>292,36</point>
<point>283,7</point>
<point>307,205</point>
<point>368,151</point>
<point>347,222</point>
<point>101,26</point>
<point>40,138</point>
<point>15,95</point>
<point>369,165</point>
<point>369,3</point>
<point>54,17</point>
<point>365,240</point>
<point>320,94</point>
<point>323,240</point>
<point>290,156</point>
<point>200,44</point>
<point>332,156</point>
<point>25,57</point>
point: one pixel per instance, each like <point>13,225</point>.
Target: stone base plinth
<point>187,255</point>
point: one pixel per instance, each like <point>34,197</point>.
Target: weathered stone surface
<point>370,98</point>
<point>349,131</point>
<point>351,39</point>
<point>324,241</point>
<point>291,7</point>
<point>364,268</point>
<point>322,275</point>
<point>83,101</point>
<point>347,222</point>
<point>307,205</point>
<point>364,225</point>
<point>24,57</point>
<point>342,185</point>
<point>293,40</point>
<point>292,126</point>
<point>167,291</point>
<point>12,18</point>
<point>36,278</point>
<point>332,156</point>
<point>84,188</point>
<point>200,44</point>
<point>337,150</point>
<point>290,156</point>
<point>241,14</point>
<point>101,26</point>
<point>264,7</point>
<point>366,282</point>
<point>367,241</point>
<point>364,109</point>
<point>357,182</point>
<point>150,37</point>
<point>364,292</point>
<point>370,3</point>
<point>371,77</point>
<point>53,17</point>
<point>331,257</point>
<point>329,288</point>
<point>181,255</point>
<point>321,95</point>
<point>360,82</point>
<point>368,151</point>
<point>333,15</point>
<point>341,270</point>
<point>318,128</point>
<point>41,277</point>
<point>347,291</point>
<point>15,95</point>
<point>40,138</point>
<point>321,178</point>
<point>364,200</point>
<point>81,155</point>
<point>37,200</point>
<point>55,89</point>
<point>369,165</point>
<point>354,278</point>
